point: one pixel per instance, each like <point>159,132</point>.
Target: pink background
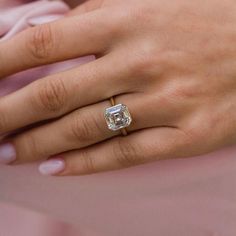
<point>188,197</point>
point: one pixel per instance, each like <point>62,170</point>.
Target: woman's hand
<point>173,63</point>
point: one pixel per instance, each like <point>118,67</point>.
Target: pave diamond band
<point>117,117</point>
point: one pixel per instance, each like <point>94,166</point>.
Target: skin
<point>173,63</point>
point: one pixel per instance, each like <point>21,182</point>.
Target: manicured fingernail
<point>52,167</point>
<point>7,153</point>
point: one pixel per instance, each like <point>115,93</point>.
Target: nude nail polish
<point>52,167</point>
<point>7,153</point>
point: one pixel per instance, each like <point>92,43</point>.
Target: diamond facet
<point>117,117</point>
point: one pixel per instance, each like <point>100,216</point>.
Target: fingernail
<point>52,167</point>
<point>7,153</point>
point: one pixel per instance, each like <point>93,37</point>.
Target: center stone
<point>117,117</point>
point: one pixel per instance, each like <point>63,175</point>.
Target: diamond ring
<point>117,117</point>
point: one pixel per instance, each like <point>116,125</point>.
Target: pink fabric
<point>187,197</point>
<point>22,222</point>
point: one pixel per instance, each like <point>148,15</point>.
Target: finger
<point>71,37</point>
<point>81,128</point>
<point>58,94</point>
<point>120,152</point>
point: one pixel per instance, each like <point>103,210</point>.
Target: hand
<point>173,63</point>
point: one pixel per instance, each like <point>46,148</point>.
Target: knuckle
<point>207,124</point>
<point>85,128</point>
<point>184,89</point>
<point>41,41</point>
<point>81,129</point>
<point>30,145</point>
<point>197,130</point>
<point>203,127</point>
<point>3,122</point>
<point>127,154</point>
<point>145,62</point>
<point>88,165</point>
<point>51,95</point>
<point>183,92</point>
<point>140,13</point>
<point>26,146</point>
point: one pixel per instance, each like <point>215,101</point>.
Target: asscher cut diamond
<point>118,117</point>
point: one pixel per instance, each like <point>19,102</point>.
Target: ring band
<point>117,117</point>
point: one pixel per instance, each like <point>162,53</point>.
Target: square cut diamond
<point>117,117</point>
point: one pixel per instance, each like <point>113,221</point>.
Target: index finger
<point>64,39</point>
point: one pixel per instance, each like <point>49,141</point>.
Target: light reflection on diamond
<point>117,117</point>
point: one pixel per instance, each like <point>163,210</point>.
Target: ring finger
<point>83,127</point>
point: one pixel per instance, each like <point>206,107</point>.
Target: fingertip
<point>7,153</point>
<point>52,166</point>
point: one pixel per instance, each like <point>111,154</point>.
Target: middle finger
<point>58,94</point>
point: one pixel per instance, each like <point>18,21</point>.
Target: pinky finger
<point>120,152</point>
